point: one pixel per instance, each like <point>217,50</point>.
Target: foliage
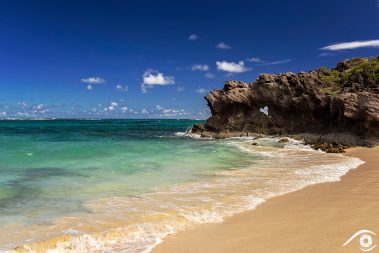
<point>330,91</point>
<point>368,69</point>
<point>357,70</point>
<point>330,76</point>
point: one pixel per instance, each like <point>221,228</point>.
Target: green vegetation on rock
<point>362,71</point>
<point>330,91</point>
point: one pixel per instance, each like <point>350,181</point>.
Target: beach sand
<point>319,218</point>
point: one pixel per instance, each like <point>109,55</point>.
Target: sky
<point>158,59</point>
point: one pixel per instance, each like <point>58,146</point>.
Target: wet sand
<point>319,218</point>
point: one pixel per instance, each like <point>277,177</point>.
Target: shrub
<point>330,76</point>
<point>330,91</point>
<point>369,70</point>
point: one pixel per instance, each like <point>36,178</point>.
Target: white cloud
<point>89,87</point>
<point>201,91</point>
<point>260,61</point>
<point>149,78</point>
<point>222,45</point>
<point>232,67</point>
<point>112,106</point>
<point>93,80</point>
<point>144,111</point>
<point>325,54</point>
<point>3,114</point>
<point>159,107</point>
<point>133,111</point>
<point>124,109</point>
<point>276,62</point>
<point>122,88</point>
<point>152,78</point>
<point>352,45</point>
<point>169,113</point>
<point>209,75</point>
<point>38,107</point>
<point>169,110</point>
<point>42,111</point>
<point>22,104</point>
<point>200,67</point>
<point>255,59</point>
<point>179,88</point>
<point>23,114</point>
<point>193,37</point>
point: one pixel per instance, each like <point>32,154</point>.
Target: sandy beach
<point>319,218</point>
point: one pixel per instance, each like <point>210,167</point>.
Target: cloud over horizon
<point>232,67</point>
<point>351,45</point>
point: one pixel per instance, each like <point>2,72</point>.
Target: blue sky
<point>157,59</point>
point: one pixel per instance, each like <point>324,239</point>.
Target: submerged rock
<point>284,140</point>
<point>343,99</point>
<point>333,147</point>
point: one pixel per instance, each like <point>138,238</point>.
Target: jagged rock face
<point>296,104</point>
<point>357,112</point>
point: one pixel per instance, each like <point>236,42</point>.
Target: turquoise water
<point>49,168</point>
<point>123,185</point>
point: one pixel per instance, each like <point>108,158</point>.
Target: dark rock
<point>328,147</point>
<point>345,99</point>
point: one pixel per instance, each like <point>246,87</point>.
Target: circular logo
<point>365,241</point>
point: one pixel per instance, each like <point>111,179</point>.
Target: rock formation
<point>343,99</point>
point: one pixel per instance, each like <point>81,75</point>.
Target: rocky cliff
<point>323,101</point>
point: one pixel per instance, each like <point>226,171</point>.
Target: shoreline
<point>50,243</point>
<point>318,218</point>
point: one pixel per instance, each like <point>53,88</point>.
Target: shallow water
<point>123,185</point>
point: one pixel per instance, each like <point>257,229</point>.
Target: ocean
<point>123,185</point>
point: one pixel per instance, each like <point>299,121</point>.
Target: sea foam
<point>153,216</point>
<point>138,222</point>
